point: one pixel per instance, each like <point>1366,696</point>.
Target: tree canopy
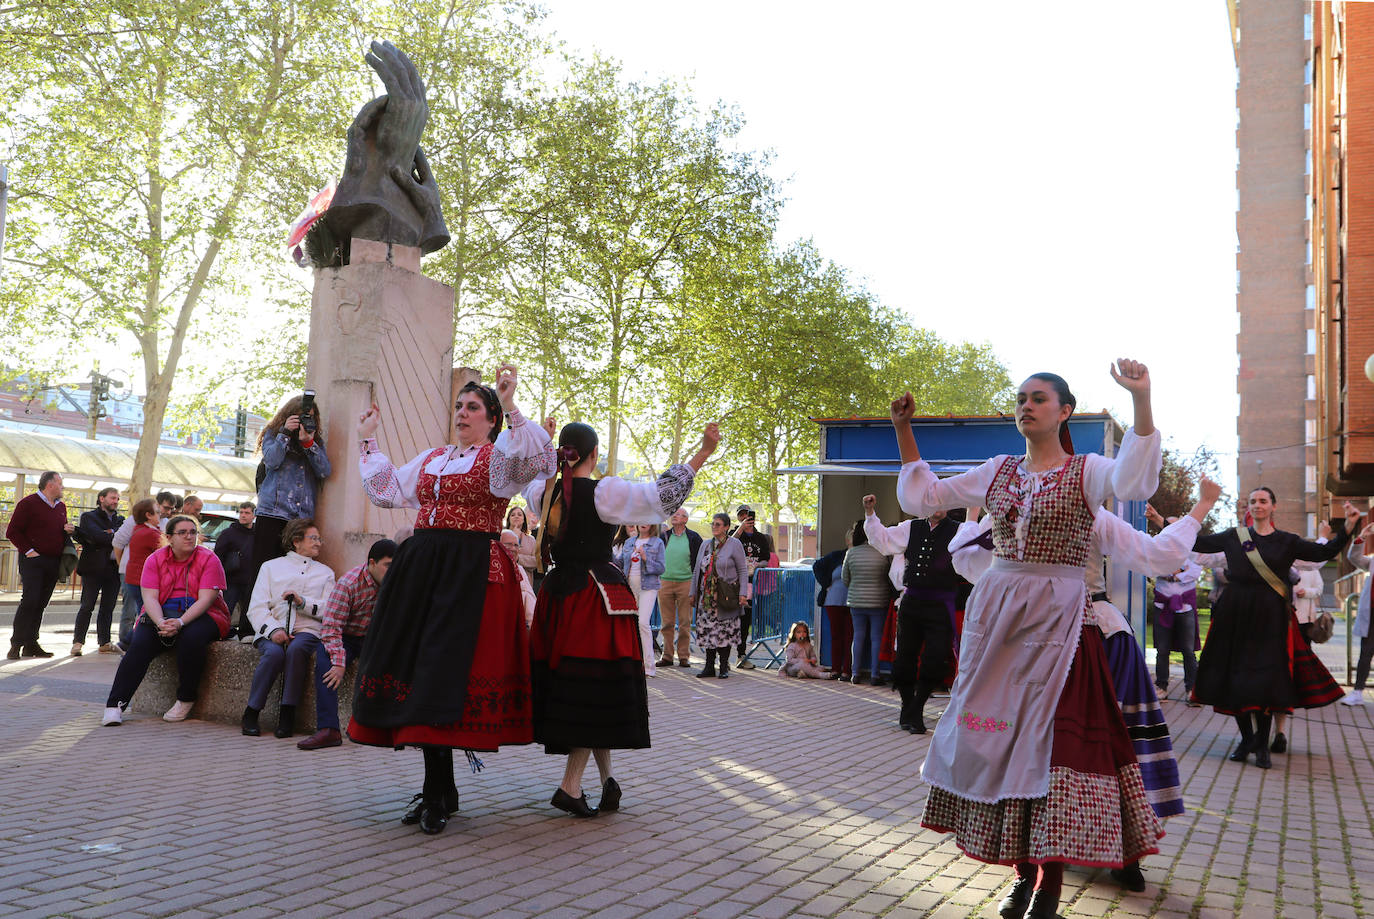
<point>611,236</point>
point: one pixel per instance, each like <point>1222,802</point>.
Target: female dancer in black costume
<point>1254,662</point>
<point>587,660</point>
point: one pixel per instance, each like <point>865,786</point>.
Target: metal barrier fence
<point>782,596</point>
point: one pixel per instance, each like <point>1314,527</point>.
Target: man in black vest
<point>98,569</point>
<point>924,658</point>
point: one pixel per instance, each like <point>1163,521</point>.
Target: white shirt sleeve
<point>619,501</point>
<point>887,540</point>
<point>920,492</point>
<point>971,561</point>
<point>1162,554</point>
<point>387,486</point>
<point>119,544</point>
<point>1132,475</point>
<point>523,452</point>
<point>1210,559</point>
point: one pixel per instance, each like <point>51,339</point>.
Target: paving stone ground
<point>761,797</point>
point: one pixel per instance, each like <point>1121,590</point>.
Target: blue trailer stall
<point>858,456</point>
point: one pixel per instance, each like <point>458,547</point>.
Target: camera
<point>308,412</point>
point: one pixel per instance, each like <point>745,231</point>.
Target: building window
<point>1311,344</point>
<point>1307,114</point>
<point>1309,208</point>
<point>1307,72</point>
<point>1311,424</point>
<point>1307,166</point>
<point>1307,26</point>
<point>1311,292</point>
<point>1311,478</point>
<point>1311,522</point>
<point>1311,386</point>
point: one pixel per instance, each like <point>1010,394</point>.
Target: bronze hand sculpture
<point>387,192</point>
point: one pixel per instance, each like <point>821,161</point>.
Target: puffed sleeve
<point>1150,555</point>
<point>522,453</point>
<point>1132,475</point>
<point>1210,559</point>
<point>387,486</point>
<point>887,540</point>
<point>920,492</point>
<point>619,501</point>
<point>971,555</point>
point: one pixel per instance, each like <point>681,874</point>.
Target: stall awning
<point>941,468</point>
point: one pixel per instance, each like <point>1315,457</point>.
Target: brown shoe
<point>324,737</point>
<point>664,662</point>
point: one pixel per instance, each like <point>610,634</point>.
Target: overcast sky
<point>1055,179</point>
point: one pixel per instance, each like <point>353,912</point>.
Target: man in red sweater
<point>39,531</point>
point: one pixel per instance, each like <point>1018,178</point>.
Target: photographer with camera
<point>293,465</point>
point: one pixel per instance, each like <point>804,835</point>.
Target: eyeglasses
<point>313,537</point>
<point>185,532</point>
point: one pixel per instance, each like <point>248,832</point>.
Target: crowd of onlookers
<point>262,583</point>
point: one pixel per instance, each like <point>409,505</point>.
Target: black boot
<point>433,816</point>
<point>1013,905</point>
<point>286,723</point>
<point>1043,906</point>
<point>1247,738</point>
<point>710,668</point>
<point>249,725</point>
<point>923,690</point>
<point>1261,744</point>
<point>1129,876</point>
<point>724,665</point>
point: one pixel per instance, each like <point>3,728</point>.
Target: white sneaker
<point>179,711</point>
<point>112,718</point>
<point>76,649</point>
<point>1354,697</point>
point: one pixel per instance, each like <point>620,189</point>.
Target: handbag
<point>726,594</point>
<point>1322,627</point>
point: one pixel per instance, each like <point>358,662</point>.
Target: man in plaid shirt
<point>347,613</point>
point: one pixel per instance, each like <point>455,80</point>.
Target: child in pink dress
<point>801,655</point>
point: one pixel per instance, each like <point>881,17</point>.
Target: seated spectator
<point>801,655</point>
<point>182,609</point>
<point>286,610</point>
<point>512,543</point>
<point>347,614</point>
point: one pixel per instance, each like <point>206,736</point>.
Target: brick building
<point>1274,291</point>
<point>1342,205</point>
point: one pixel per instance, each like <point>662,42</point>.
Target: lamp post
<point>4,197</point>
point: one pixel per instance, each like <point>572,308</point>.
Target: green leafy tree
<point>1178,484</point>
<point>158,150</point>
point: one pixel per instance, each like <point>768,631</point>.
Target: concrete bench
<point>223,692</point>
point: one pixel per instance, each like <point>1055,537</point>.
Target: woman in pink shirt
<point>182,609</point>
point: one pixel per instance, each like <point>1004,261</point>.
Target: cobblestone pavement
<point>761,797</point>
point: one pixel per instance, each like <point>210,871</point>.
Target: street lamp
<point>4,197</point>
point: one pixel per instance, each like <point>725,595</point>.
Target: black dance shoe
<point>707,671</point>
<point>433,816</point>
<point>412,816</point>
<point>1280,744</point>
<point>1130,877</point>
<point>1013,905</point>
<point>610,796</point>
<point>249,724</point>
<point>1242,751</point>
<point>578,806</point>
<point>1262,758</point>
<point>1043,906</point>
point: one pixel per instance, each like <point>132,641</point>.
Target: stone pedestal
<point>379,332</point>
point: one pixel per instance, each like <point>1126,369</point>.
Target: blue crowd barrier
<point>782,596</point>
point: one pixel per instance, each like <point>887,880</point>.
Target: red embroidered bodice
<point>1059,527</point>
<point>462,501</point>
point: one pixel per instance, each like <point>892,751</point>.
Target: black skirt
<point>419,648</point>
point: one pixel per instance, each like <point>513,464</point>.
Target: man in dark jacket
<point>234,546</point>
<point>758,549</point>
<point>39,531</point>
<point>675,589</point>
<point>98,569</point>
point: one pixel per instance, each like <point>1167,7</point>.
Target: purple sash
<point>1167,606</point>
